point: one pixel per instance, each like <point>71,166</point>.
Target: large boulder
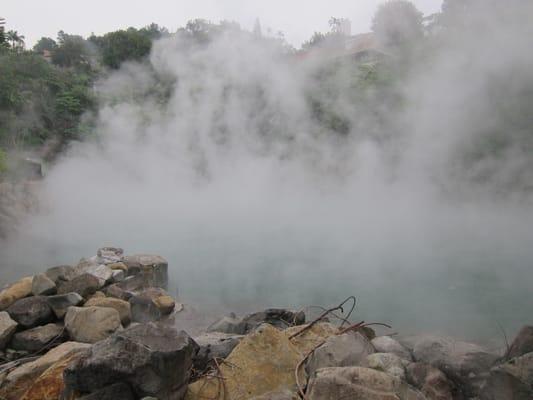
<point>116,391</point>
<point>310,338</point>
<point>431,381</point>
<point>151,304</point>
<point>386,344</point>
<point>466,364</point>
<point>214,345</point>
<point>522,344</point>
<point>15,292</point>
<point>31,311</point>
<point>50,384</point>
<point>109,255</point>
<point>61,302</point>
<point>152,268</point>
<point>61,273</point>
<point>512,380</point>
<point>84,284</point>
<point>358,383</point>
<point>7,329</point>
<point>154,360</point>
<point>262,362</point>
<point>102,272</point>
<point>42,285</point>
<point>91,324</point>
<point>123,307</point>
<point>21,378</point>
<point>387,362</point>
<point>227,324</point>
<point>37,338</point>
<point>348,349</point>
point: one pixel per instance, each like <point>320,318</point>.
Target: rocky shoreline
<point>106,328</point>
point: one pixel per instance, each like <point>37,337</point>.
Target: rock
<point>151,304</point>
<point>91,324</point>
<point>154,360</point>
<point>120,266</point>
<point>522,344</point>
<point>358,383</point>
<point>277,317</point>
<point>42,285</point>
<point>31,311</point>
<point>50,385</point>
<point>36,338</point>
<point>431,381</point>
<point>61,302</point>
<point>308,340</point>
<point>214,345</point>
<point>264,361</point>
<point>512,380</point>
<point>466,364</point>
<point>102,272</point>
<point>117,275</point>
<point>123,307</point>
<point>388,363</point>
<point>153,269</point>
<point>20,379</point>
<point>280,395</point>
<point>7,329</point>
<point>61,273</point>
<point>117,391</point>
<point>348,349</point>
<point>15,292</point>
<point>84,284</point>
<point>386,344</point>
<point>227,324</point>
<point>117,292</point>
<point>109,255</point>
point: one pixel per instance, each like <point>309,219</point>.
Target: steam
<point>211,157</point>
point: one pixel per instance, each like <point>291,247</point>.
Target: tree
<point>2,33</point>
<point>124,45</point>
<point>45,43</point>
<point>397,23</point>
<point>17,41</point>
<point>72,51</point>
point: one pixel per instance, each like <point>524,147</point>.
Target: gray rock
<point>512,380</point>
<point>278,317</point>
<point>118,275</point>
<point>91,324</point>
<point>84,284</point>
<point>102,272</point>
<point>214,345</point>
<point>522,344</point>
<point>117,292</point>
<point>151,304</point>
<point>61,302</point>
<point>386,344</point>
<point>348,349</point>
<point>466,364</point>
<point>154,360</point>
<point>37,338</point>
<point>431,381</point>
<point>7,329</point>
<point>387,362</point>
<point>153,269</point>
<point>31,311</point>
<point>109,255</point>
<point>227,324</point>
<point>61,273</point>
<point>358,383</point>
<point>117,391</point>
<point>42,285</point>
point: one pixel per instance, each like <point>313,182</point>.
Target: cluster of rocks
<point>107,329</point>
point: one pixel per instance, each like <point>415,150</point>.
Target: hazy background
<point>233,181</point>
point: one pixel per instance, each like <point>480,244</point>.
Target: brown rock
<point>123,307</point>
<point>15,292</point>
<point>91,324</point>
<point>84,284</point>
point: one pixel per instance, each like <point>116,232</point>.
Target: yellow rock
<point>262,362</point>
<point>50,384</point>
<point>118,265</point>
<point>165,304</point>
<point>123,307</point>
<point>311,338</point>
<point>15,292</point>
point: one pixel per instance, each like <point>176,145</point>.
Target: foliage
<point>45,43</point>
<point>123,45</point>
<point>3,162</point>
<point>71,51</point>
<point>397,23</point>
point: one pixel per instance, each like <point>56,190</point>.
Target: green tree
<point>16,40</point>
<point>72,51</point>
<point>45,43</point>
<point>124,45</point>
<point>397,23</point>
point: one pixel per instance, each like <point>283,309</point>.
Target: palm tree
<point>17,41</point>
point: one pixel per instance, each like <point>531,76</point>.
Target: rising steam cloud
<point>211,157</point>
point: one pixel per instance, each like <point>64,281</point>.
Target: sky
<point>296,19</point>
